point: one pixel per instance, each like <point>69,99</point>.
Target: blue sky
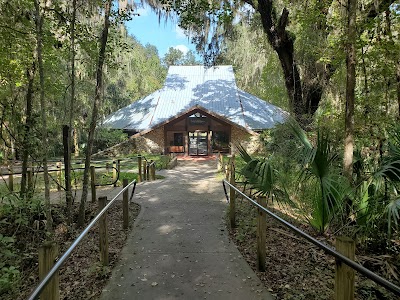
<point>147,29</point>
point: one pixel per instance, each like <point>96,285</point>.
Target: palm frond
<point>393,212</point>
<point>243,153</point>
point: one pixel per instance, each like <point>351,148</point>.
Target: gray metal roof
<point>189,86</point>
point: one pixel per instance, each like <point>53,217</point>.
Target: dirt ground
<point>296,269</point>
<point>82,276</point>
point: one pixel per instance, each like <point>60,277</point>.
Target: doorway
<point>198,143</point>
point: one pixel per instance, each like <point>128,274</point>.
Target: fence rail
<point>36,293</point>
<point>359,268</point>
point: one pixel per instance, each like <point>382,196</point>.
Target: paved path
<point>179,247</point>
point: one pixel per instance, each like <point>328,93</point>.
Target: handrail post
<point>261,234</point>
<point>103,233</point>
<point>125,206</point>
<point>47,255</point>
<point>115,173</point>
<point>93,183</point>
<point>148,171</point>
<point>232,194</point>
<point>344,276</point>
<point>139,162</point>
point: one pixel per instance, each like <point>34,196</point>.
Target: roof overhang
<point>193,110</point>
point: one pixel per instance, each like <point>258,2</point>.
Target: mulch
<point>295,268</point>
<point>82,276</point>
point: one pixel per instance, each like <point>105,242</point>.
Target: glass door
<point>198,143</point>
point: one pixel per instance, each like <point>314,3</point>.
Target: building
<point>199,111</point>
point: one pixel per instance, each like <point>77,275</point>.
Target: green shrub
<point>9,273</point>
<point>106,138</point>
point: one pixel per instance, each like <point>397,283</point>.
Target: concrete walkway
<point>179,247</point>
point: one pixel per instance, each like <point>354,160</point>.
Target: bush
<point>106,138</point>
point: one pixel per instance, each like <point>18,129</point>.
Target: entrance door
<point>198,143</point>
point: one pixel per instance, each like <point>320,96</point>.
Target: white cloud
<point>180,33</point>
<point>182,48</point>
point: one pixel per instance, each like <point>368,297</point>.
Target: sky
<point>147,29</point>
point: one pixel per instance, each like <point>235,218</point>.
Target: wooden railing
<point>48,288</point>
<point>345,264</point>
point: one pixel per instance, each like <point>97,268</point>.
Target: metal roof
<point>189,86</point>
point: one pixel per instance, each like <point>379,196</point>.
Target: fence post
<point>93,183</point>
<point>115,172</point>
<point>47,255</point>
<point>151,170</point>
<point>227,169</point>
<point>139,162</point>
<point>219,162</point>
<point>232,194</point>
<point>125,206</point>
<point>261,234</point>
<point>144,171</point>
<point>103,233</point>
<point>58,167</point>
<point>11,177</point>
<point>344,277</point>
<point>148,171</point>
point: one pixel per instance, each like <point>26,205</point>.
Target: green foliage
<point>320,190</point>
<point>17,217</point>
<point>261,174</point>
<point>9,276</point>
<point>320,173</point>
<point>106,138</point>
<point>257,67</point>
<point>379,193</point>
<point>175,57</point>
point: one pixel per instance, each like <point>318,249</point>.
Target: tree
<point>96,105</point>
<point>175,57</point>
<point>351,84</point>
<point>44,132</point>
<point>307,73</point>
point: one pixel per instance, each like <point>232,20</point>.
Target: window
<point>220,141</point>
<point>178,139</point>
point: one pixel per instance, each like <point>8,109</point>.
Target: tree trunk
<point>67,143</point>
<point>304,95</point>
<point>96,104</point>
<point>283,44</point>
<point>398,86</point>
<point>26,143</point>
<point>76,144</point>
<point>350,88</point>
<point>39,51</point>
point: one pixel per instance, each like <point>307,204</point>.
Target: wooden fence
<point>146,171</point>
<point>344,275</point>
<point>49,251</point>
